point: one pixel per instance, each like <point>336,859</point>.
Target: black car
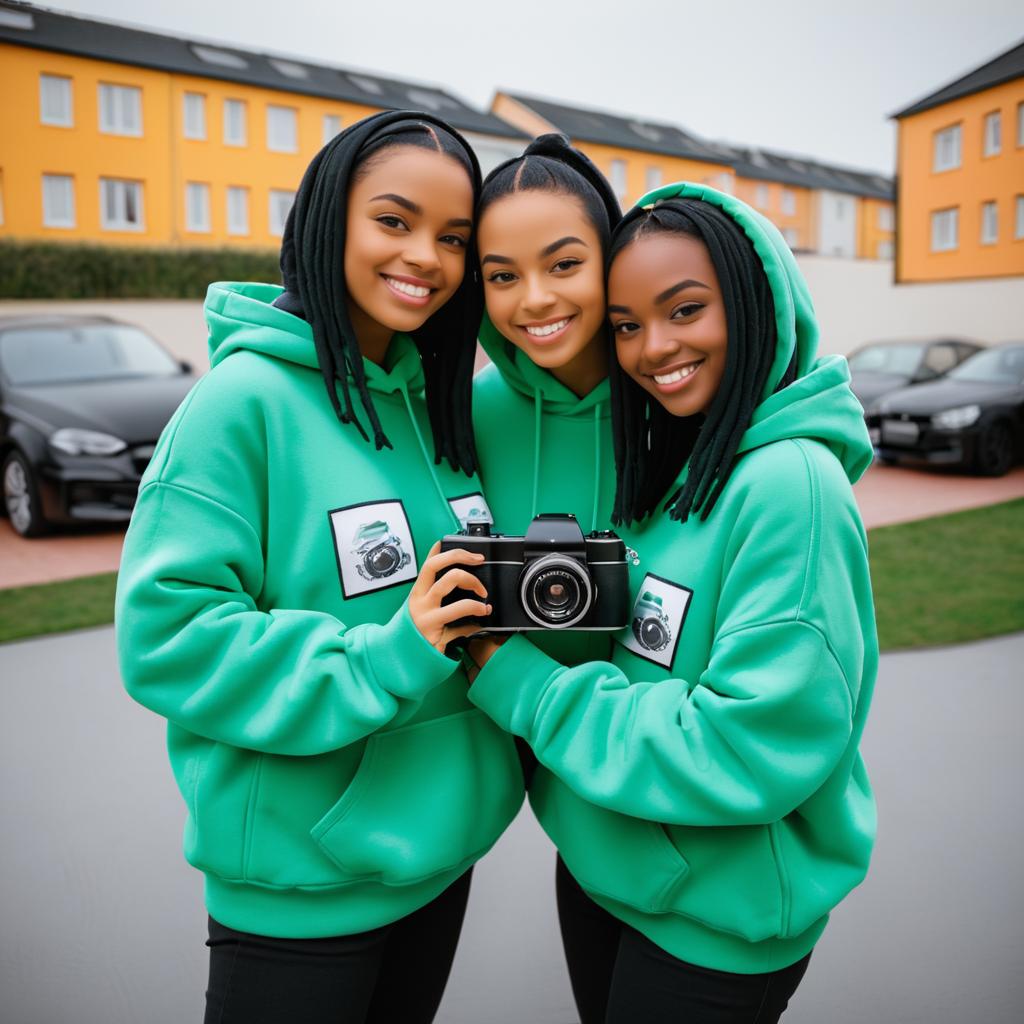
<point>884,366</point>
<point>82,403</point>
<point>973,417</point>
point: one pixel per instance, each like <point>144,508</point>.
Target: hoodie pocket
<point>427,798</point>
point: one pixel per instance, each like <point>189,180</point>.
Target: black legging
<point>620,977</point>
<point>390,974</point>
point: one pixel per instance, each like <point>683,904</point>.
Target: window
<point>58,201</point>
<point>238,211</point>
<point>761,197</point>
<point>788,202</point>
<point>366,84</point>
<point>940,359</point>
<point>210,55</point>
<point>235,129</point>
<point>288,68</point>
<point>1020,124</point>
<point>55,101</point>
<point>993,144</point>
<point>989,223</point>
<point>791,236</point>
<point>120,205</point>
<point>886,250</point>
<point>1018,231</point>
<point>282,134</point>
<point>618,178</point>
<point>195,115</point>
<point>945,229</point>
<point>280,205</point>
<point>197,207</point>
<point>17,19</point>
<point>652,179</point>
<point>947,149</point>
<point>120,110</point>
<point>885,218</point>
<point>331,127</point>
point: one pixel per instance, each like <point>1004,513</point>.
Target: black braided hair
<point>651,445</point>
<point>313,269</point>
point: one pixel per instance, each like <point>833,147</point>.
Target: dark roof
<point>617,130</point>
<point>764,165</point>
<point>44,29</point>
<point>1004,68</point>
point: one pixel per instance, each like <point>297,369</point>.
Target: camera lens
<point>382,560</point>
<point>651,633</point>
<point>556,591</point>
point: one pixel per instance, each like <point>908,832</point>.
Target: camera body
<point>554,577</point>
<point>379,551</point>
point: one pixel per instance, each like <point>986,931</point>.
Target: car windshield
<point>64,355</point>
<point>902,359</point>
<point>993,366</point>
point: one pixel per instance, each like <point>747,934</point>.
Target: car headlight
<point>73,441</point>
<point>956,419</point>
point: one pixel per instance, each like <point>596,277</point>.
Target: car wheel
<point>21,498</point>
<point>995,450</point>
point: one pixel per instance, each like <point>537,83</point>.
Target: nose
<point>659,344</point>
<point>421,252</point>
<point>538,297</point>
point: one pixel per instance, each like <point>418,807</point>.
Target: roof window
<point>430,99</point>
<point>288,68</point>
<point>16,19</point>
<point>219,57</point>
<point>646,131</point>
<point>366,84</point>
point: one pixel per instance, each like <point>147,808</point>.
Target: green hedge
<point>43,270</point>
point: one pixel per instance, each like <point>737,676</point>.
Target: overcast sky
<point>784,75</point>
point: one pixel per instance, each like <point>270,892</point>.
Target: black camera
<point>552,578</point>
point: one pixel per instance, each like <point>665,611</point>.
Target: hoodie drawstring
<point>536,450</point>
<point>597,464</point>
<point>429,462</point>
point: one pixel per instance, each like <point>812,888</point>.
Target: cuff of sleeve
<point>402,660</point>
<point>509,688</point>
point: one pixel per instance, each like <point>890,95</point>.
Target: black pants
<point>392,974</point>
<point>620,977</point>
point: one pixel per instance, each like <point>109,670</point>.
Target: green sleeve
<point>194,647</point>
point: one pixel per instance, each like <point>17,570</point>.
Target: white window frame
<point>120,109</point>
<point>993,134</point>
<point>59,201</point>
<point>282,129</point>
<point>330,126</point>
<point>197,207</point>
<point>231,122</point>
<point>193,111</point>
<point>238,210</point>
<point>1019,227</point>
<point>762,196</point>
<point>947,148</point>
<point>788,202</point>
<point>618,176</point>
<point>653,178</point>
<point>121,189</point>
<point>945,225</point>
<point>278,210</point>
<point>886,249</point>
<point>989,222</point>
<point>1020,124</point>
<point>886,218</point>
<point>56,88</point>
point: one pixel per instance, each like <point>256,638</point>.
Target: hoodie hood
<point>241,316</point>
<point>819,404</point>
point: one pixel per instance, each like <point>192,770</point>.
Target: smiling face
<point>408,224</point>
<point>668,318</point>
<point>543,283</point>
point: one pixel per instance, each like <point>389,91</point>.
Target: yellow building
<point>818,207</point>
<point>960,166</point>
<point>115,135</point>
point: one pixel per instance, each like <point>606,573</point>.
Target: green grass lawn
<point>938,581</point>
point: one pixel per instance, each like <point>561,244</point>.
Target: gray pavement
<point>101,921</point>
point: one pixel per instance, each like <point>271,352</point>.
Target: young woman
<point>338,783</point>
<point>705,789</point>
<point>541,411</point>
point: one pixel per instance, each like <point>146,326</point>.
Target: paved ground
<point>886,494</point>
<point>103,922</point>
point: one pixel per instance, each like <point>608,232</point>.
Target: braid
<point>652,446</point>
<point>313,267</point>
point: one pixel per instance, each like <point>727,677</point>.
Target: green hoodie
<point>542,449</point>
<point>705,785</point>
<point>335,775</point>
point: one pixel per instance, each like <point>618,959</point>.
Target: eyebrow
<point>493,258</point>
<point>407,204</point>
<point>619,309</point>
<point>669,292</point>
<point>555,246</point>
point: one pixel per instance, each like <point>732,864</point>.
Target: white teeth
<point>681,374</point>
<point>415,290</point>
<point>543,332</point>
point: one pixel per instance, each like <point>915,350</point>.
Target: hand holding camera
<point>434,613</point>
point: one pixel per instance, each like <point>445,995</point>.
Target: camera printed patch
<point>657,620</point>
<point>470,507</point>
<point>374,545</point>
